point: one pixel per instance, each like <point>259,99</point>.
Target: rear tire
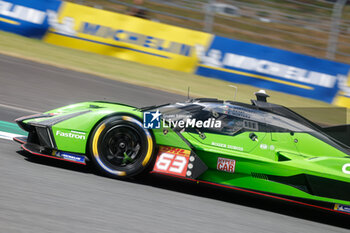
<point>121,148</point>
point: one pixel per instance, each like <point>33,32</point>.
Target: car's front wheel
<point>121,147</point>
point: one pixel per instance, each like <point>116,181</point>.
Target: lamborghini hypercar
<point>261,148</point>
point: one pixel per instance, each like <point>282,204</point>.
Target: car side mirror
<point>253,137</point>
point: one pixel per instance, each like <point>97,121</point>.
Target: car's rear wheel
<point>121,147</point>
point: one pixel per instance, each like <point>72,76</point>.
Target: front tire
<point>121,148</point>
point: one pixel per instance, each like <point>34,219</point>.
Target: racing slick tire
<point>121,148</point>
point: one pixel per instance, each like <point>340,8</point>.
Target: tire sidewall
<point>96,143</point>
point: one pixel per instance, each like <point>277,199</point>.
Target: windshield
<point>233,118</point>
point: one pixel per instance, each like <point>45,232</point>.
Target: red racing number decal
<point>172,162</point>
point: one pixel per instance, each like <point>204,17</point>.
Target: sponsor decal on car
<point>343,208</point>
<point>171,160</point>
<point>266,147</point>
<point>226,165</point>
<point>71,157</point>
<point>72,134</point>
<point>227,146</point>
<point>346,168</point>
<point>152,120</point>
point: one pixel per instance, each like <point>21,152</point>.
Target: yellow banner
<point>343,96</point>
<point>342,101</point>
<point>125,37</point>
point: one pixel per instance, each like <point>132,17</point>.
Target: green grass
<point>149,76</point>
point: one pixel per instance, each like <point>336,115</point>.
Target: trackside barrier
<point>152,43</point>
<point>276,69</point>
<point>126,37</point>
<point>27,18</point>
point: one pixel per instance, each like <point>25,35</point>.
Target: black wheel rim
<point>121,146</point>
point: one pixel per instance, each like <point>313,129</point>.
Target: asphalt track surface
<point>42,195</point>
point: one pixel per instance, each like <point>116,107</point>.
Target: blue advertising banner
<point>271,68</point>
<point>27,18</point>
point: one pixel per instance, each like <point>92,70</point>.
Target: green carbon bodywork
<point>257,162</point>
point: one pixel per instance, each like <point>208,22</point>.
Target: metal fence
<point>315,27</point>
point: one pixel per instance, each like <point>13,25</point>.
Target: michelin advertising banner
<point>275,69</point>
<point>126,37</point>
<point>27,17</point>
<point>152,43</point>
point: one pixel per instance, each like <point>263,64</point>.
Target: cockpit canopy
<point>236,118</point>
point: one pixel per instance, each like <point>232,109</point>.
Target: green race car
<point>261,148</point>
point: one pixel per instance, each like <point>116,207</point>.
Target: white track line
<point>18,108</point>
<point>8,136</point>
